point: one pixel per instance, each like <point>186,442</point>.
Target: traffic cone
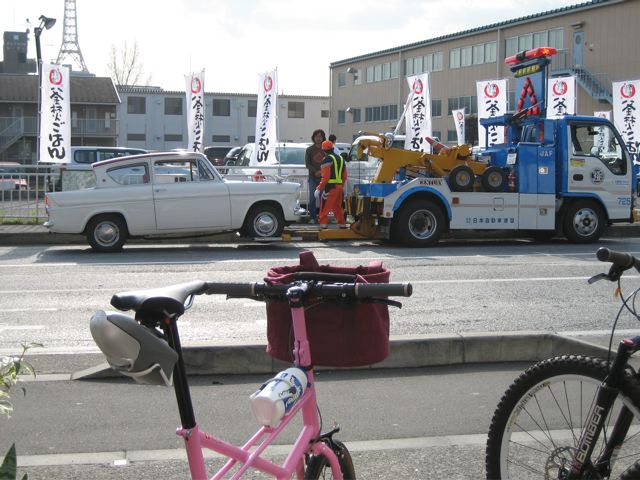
<point>436,146</point>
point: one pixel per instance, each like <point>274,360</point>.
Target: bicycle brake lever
<point>600,276</point>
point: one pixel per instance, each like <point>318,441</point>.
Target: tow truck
<point>570,176</point>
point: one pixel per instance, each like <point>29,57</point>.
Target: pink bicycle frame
<point>307,442</point>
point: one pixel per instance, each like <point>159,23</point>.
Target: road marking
<point>120,459</point>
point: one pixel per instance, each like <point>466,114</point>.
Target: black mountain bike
<point>573,417</point>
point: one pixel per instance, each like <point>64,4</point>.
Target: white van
<point>82,157</point>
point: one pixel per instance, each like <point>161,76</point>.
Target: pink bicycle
<point>148,349</point>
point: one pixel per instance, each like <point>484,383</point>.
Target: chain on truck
<point>570,176</point>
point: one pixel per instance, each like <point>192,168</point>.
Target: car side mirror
<point>231,163</point>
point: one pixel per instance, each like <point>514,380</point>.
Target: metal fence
<point>22,192</point>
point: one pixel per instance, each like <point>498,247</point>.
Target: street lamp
<point>46,23</point>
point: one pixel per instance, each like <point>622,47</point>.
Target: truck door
<point>599,166</point>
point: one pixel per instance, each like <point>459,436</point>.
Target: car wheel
<point>461,179</point>
<point>107,233</point>
<point>419,223</point>
<point>584,222</point>
<point>264,221</point>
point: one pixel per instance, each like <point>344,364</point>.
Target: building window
<point>356,115</point>
<point>341,115</point>
<point>436,108</point>
<point>436,134</point>
<point>394,69</point>
<point>510,46</point>
<point>251,139</point>
<point>342,79</point>
<point>173,106</point>
<point>408,67</point>
<point>370,74</point>
<point>221,138</point>
<point>296,109</point>
<point>393,112</point>
<point>452,136</point>
<point>465,56</point>
<point>380,113</point>
<point>136,105</point>
<point>418,65</point>
<point>324,113</point>
<point>377,72</point>
<point>136,137</point>
<point>357,77</point>
<point>555,38</point>
<point>452,105</point>
<point>525,42</point>
<point>437,62</point>
<point>252,107</point>
<point>478,54</point>
<point>490,52</point>
<point>386,71</point>
<point>221,107</point>
<point>454,58</point>
<point>172,137</point>
<point>540,39</point>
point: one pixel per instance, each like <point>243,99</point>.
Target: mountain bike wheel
<point>318,466</point>
<point>539,421</point>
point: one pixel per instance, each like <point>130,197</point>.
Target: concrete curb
<point>406,352</point>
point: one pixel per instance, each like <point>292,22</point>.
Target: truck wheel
<point>420,223</point>
<point>584,222</point>
<point>107,233</point>
<point>493,179</point>
<point>263,221</point>
<point>461,179</point>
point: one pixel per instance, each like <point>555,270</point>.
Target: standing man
<point>333,139</point>
<point>313,159</point>
<point>334,175</point>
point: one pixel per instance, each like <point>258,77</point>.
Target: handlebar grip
<point>620,259</point>
<point>363,290</point>
<point>231,289</point>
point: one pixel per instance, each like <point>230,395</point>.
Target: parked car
<point>291,167</point>
<point>12,177</point>
<point>217,155</point>
<point>169,194</point>
<point>81,159</point>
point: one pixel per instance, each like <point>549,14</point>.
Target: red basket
<point>340,335</point>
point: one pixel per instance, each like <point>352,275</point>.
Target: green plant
<point>10,370</point>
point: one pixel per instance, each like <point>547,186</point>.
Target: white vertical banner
<point>626,102</point>
<point>418,114</point>
<point>492,102</point>
<point>561,94</point>
<point>55,114</point>
<point>195,114</point>
<point>458,120</point>
<point>266,134</point>
<point>602,140</point>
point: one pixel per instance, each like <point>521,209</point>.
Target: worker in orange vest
<point>334,176</point>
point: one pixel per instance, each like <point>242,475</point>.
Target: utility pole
<point>70,46</point>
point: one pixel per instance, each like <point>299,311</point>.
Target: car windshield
<point>290,155</point>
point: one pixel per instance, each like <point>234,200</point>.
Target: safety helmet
<point>327,145</point>
<point>133,349</point>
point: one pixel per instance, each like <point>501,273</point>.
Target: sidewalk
<point>39,235</point>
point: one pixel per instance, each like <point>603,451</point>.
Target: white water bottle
<point>276,398</point>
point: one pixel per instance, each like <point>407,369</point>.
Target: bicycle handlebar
<point>356,290</point>
<point>619,259</point>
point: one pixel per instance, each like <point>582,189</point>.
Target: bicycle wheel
<point>318,466</point>
<point>539,421</point>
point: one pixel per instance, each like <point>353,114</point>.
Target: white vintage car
<point>169,194</point>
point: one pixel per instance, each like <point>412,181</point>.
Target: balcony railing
<point>91,127</point>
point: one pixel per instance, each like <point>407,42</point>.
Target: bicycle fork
<point>606,396</point>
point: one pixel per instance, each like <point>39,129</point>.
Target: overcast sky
<point>236,40</point>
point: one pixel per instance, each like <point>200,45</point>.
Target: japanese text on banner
<point>266,135</point>
<point>55,126</point>
<point>418,114</point>
<point>561,94</point>
<point>492,102</point>
<point>626,101</point>
<point>458,120</point>
<point>195,115</point>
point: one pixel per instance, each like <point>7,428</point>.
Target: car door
<point>189,195</point>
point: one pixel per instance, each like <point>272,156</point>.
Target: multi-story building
<point>155,119</point>
<point>596,42</point>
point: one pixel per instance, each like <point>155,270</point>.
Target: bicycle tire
<point>539,420</point>
<point>318,465</point>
